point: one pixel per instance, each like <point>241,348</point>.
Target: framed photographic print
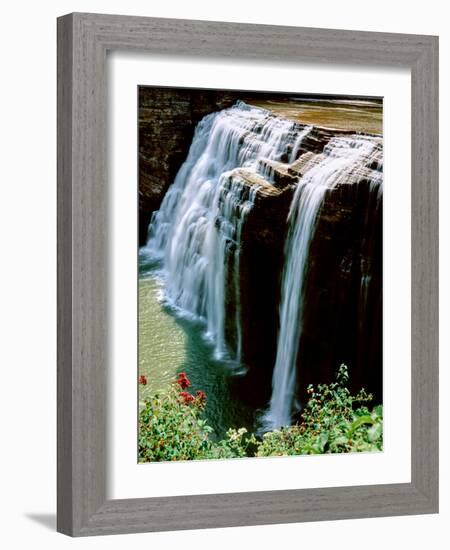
<point>247,274</point>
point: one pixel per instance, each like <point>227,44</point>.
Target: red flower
<point>183,381</point>
<point>143,380</point>
<point>186,397</point>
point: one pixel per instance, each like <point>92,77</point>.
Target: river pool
<point>169,344</point>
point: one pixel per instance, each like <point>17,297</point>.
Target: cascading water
<point>344,160</point>
<point>222,245</point>
<point>196,233</point>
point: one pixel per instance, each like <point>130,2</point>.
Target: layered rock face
<point>343,289</point>
<point>342,321</point>
<point>224,227</point>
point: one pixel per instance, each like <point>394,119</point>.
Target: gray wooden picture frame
<point>83,41</point>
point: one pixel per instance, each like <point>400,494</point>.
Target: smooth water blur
<point>169,344</point>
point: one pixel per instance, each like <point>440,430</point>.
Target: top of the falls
<point>270,153</point>
<point>362,117</point>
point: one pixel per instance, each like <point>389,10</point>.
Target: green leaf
<point>322,440</point>
<point>359,422</point>
<point>341,440</point>
<point>377,412</point>
<point>374,432</point>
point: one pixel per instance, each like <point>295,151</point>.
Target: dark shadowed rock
<point>343,310</point>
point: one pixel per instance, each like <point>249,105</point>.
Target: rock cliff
<point>343,319</point>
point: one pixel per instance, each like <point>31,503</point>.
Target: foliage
<point>333,421</point>
<point>238,444</point>
<point>172,427</point>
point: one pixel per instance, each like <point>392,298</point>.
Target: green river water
<point>169,344</point>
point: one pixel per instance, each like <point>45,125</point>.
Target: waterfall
<point>222,245</point>
<point>345,160</point>
<point>196,234</point>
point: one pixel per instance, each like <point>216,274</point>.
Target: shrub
<point>238,444</point>
<point>333,421</point>
<point>172,427</point>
